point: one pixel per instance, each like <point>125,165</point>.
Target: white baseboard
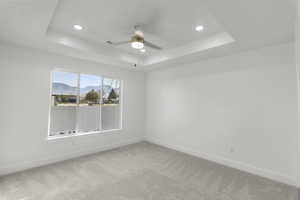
<point>231,163</point>
<point>20,166</point>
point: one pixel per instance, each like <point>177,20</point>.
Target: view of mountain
<point>62,88</point>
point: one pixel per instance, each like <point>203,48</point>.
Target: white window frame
<point>117,130</point>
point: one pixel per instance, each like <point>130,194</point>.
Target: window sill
<point>83,134</point>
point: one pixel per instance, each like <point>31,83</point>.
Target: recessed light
<point>199,28</point>
<point>143,50</point>
<point>77,27</point>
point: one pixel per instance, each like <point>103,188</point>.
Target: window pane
<point>89,107</point>
<point>83,103</point>
<point>63,109</point>
<point>110,113</point>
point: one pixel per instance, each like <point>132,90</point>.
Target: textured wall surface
<point>240,110</point>
<point>25,102</point>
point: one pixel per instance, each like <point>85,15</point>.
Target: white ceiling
<point>230,26</point>
<point>164,21</point>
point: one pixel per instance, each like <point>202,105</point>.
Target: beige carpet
<point>141,171</point>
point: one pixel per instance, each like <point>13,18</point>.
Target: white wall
<point>238,110</point>
<point>25,84</point>
<point>297,55</point>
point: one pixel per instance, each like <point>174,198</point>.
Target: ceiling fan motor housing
<point>137,38</point>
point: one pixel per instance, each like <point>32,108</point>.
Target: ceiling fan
<point>137,41</point>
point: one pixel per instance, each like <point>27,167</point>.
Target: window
<point>84,103</point>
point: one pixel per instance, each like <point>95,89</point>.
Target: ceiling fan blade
<point>151,45</point>
<point>118,43</point>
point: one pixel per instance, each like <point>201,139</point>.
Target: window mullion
<point>100,107</point>
<point>77,103</point>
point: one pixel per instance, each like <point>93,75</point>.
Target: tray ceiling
<point>229,26</point>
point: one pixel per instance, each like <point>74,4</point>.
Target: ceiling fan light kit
<point>137,45</point>
<point>137,41</point>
